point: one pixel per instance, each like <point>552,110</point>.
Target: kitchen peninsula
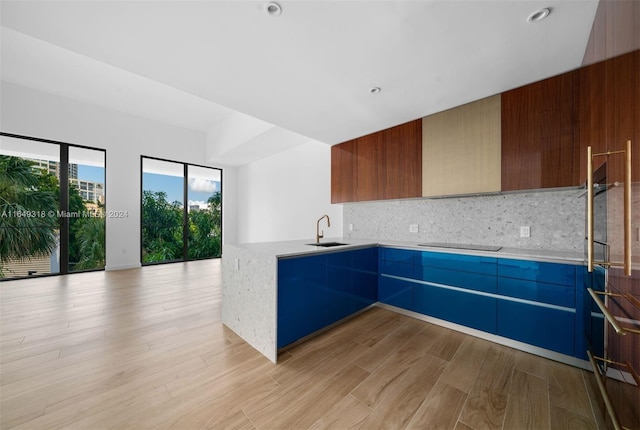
<point>276,293</point>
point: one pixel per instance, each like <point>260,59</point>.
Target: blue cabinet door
<point>365,277</point>
<point>340,297</point>
<point>460,307</point>
<point>395,292</point>
<point>549,316</point>
<point>545,327</point>
<point>302,297</point>
<point>316,291</point>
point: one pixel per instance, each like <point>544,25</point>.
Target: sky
<point>91,173</point>
<point>199,189</point>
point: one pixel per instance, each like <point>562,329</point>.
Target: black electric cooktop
<point>490,248</point>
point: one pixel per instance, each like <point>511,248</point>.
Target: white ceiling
<point>258,84</point>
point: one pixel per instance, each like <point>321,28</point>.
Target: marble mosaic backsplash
<point>556,219</point>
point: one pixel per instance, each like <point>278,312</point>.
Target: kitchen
<point>259,213</point>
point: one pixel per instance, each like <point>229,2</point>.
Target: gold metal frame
<point>605,311</point>
<point>626,264</point>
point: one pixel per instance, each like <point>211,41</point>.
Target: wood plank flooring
<point>145,348</point>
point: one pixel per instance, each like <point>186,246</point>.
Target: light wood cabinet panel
<point>461,149</point>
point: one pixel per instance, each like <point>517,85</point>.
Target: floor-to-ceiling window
<point>181,211</point>
<point>46,227</point>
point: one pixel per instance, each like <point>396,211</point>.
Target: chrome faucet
<point>318,234</point>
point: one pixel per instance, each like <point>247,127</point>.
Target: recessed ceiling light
<point>272,8</point>
<point>539,15</point>
<point>375,90</point>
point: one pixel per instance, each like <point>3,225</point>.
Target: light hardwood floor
<point>145,348</point>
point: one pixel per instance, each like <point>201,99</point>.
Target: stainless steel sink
<point>327,244</point>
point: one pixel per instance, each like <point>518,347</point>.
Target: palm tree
<point>28,221</point>
<point>91,240</point>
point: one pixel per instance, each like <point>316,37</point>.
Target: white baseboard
<point>123,267</point>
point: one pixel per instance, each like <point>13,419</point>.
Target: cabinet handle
<point>627,209</point>
<point>590,193</point>
<point>605,394</point>
<point>605,311</point>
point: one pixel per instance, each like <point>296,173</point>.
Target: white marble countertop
<point>295,248</point>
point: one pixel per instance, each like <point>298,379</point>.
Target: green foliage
<point>161,228</point>
<point>27,203</point>
<point>205,230</point>
<point>77,206</point>
<point>90,237</point>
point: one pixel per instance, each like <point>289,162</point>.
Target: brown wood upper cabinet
<point>461,149</point>
<point>379,166</point>
<point>539,146</point>
<point>610,113</point>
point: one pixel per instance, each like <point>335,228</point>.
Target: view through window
<point>181,211</point>
<point>46,228</point>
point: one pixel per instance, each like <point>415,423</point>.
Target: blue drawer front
<point>551,273</point>
<point>540,326</point>
<point>395,292</point>
<point>398,255</point>
<point>554,294</point>
<point>465,263</point>
<point>471,310</point>
<point>396,268</point>
<point>467,280</point>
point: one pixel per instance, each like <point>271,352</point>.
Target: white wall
<point>36,114</point>
<point>281,197</point>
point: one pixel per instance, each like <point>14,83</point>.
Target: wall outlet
<point>525,231</point>
<point>413,228</point>
<point>350,227</point>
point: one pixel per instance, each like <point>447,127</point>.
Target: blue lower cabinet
<point>548,328</point>
<point>394,268</point>
<point>316,291</point>
<point>365,289</point>
<point>340,300</point>
<point>554,294</point>
<point>395,292</point>
<point>460,307</point>
<point>466,280</point>
<point>340,296</point>
<point>457,262</point>
<point>406,256</point>
<point>302,297</point>
<point>551,273</point>
<point>365,277</point>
